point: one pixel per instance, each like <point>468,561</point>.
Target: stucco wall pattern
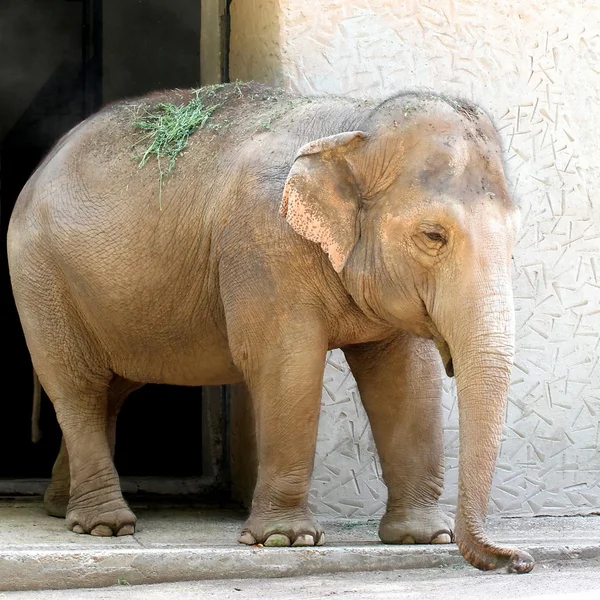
<point>536,68</point>
<point>255,40</point>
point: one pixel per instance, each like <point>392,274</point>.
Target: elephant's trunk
<point>480,335</point>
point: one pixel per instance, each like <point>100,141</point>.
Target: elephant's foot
<point>282,529</point>
<point>416,526</point>
<point>112,517</point>
<point>56,497</point>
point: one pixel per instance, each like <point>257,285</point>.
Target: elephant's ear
<point>321,198</point>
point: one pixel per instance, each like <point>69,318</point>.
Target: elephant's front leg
<point>285,382</point>
<point>399,381</point>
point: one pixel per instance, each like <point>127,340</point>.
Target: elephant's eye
<point>434,236</point>
<point>431,238</point>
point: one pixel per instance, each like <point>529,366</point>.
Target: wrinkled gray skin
<point>289,227</point>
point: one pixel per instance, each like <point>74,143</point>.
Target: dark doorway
<point>60,61</point>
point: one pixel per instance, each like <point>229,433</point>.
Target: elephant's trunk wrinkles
<point>481,342</point>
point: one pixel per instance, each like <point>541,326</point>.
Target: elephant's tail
<point>36,433</point>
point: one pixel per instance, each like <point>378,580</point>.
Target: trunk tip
<point>520,562</point>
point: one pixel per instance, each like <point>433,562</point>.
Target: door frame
<point>214,41</point>
<point>214,64</point>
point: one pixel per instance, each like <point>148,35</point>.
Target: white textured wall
<point>255,40</point>
<point>536,68</point>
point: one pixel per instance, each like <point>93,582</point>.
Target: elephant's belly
<point>204,368</point>
<point>195,370</point>
<point>203,359</point>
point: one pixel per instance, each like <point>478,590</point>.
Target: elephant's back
<point>122,157</point>
<point>108,228</point>
<point>103,190</point>
<point>102,169</point>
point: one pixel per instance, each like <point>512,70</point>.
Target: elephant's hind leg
<point>56,496</point>
<point>96,504</point>
<point>75,373</point>
<point>400,386</point>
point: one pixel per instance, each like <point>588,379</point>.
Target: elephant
<point>288,226</point>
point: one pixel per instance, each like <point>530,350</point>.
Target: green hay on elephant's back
<point>169,127</point>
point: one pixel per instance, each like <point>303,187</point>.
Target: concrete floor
<point>24,522</point>
<point>186,543</point>
<point>559,581</point>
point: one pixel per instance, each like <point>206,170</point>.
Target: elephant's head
<point>415,215</point>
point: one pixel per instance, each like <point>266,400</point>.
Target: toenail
<point>247,538</point>
<point>277,540</point>
<point>304,540</point>
<point>126,530</point>
<point>102,530</point>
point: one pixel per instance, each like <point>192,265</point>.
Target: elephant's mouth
<point>444,351</point>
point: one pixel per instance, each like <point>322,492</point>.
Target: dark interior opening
<point>60,61</point>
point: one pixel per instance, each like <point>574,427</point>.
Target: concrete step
<point>189,543</point>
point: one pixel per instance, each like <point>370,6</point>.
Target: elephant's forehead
<point>453,129</point>
<point>447,153</point>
